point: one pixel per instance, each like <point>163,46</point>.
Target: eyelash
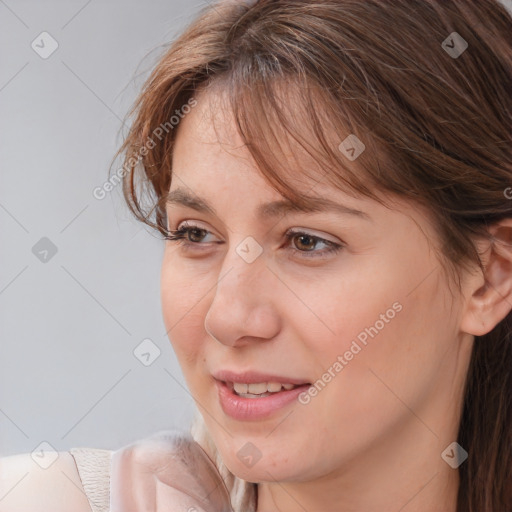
<point>179,236</point>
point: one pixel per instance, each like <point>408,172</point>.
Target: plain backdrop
<point>85,359</point>
<point>79,278</point>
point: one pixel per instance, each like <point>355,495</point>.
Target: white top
<point>141,473</point>
<point>93,466</point>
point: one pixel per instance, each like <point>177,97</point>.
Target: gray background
<point>69,324</point>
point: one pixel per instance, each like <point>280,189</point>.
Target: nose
<point>243,309</point>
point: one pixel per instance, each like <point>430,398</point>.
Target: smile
<point>252,396</point>
<point>258,390</point>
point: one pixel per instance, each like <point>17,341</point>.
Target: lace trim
<point>93,466</point>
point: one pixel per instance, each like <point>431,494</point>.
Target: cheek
<point>182,299</point>
<point>362,304</point>
<point>392,331</point>
<point>400,361</point>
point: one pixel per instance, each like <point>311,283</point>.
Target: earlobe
<point>490,298</point>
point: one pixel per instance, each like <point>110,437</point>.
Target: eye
<point>187,235</point>
<point>308,240</point>
<point>190,235</point>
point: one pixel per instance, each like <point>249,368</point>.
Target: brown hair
<point>436,126</point>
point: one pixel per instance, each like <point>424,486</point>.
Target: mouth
<point>254,396</point>
<point>259,389</point>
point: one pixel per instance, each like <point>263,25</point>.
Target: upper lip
<point>253,377</point>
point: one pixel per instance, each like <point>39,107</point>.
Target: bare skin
<point>372,438</point>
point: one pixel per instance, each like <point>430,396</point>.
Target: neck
<point>405,472</point>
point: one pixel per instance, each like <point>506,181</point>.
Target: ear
<point>490,294</point>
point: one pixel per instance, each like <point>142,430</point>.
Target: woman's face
<point>372,326</point>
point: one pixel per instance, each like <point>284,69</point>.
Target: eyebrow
<point>273,209</point>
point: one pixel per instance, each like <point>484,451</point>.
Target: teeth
<point>257,389</point>
<point>260,388</point>
<point>273,387</point>
<point>240,388</point>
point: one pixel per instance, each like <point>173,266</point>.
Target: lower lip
<point>247,409</point>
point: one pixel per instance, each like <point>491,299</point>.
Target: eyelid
<point>180,236</point>
<point>316,234</point>
<point>295,230</point>
<point>193,224</point>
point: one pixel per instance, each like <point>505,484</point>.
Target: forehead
<point>209,149</point>
<point>277,121</point>
<point>201,160</point>
<point>208,140</point>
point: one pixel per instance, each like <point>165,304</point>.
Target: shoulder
<point>29,485</point>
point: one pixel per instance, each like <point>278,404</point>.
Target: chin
<point>258,460</point>
<point>265,472</point>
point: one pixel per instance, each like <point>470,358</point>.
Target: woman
<point>333,179</point>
